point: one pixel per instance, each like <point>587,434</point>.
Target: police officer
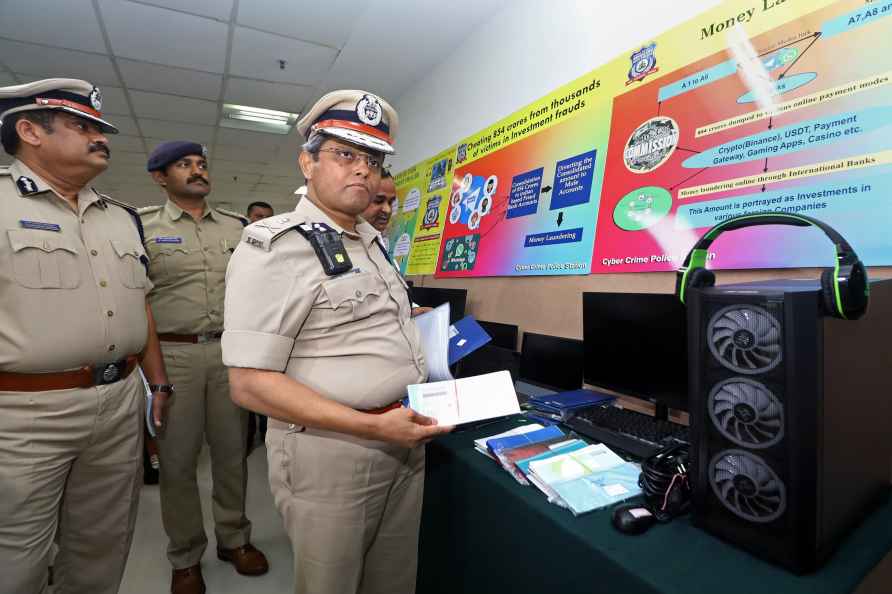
<point>319,335</point>
<point>75,324</point>
<point>381,206</point>
<point>189,243</point>
<point>258,210</point>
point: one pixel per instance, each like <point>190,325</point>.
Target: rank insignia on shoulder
<point>40,225</point>
<point>26,185</point>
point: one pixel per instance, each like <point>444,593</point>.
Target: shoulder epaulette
<point>4,170</point>
<point>132,211</point>
<point>149,209</point>
<point>234,215</point>
<point>263,233</point>
<point>128,207</point>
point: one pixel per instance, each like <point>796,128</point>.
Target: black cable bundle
<point>664,482</point>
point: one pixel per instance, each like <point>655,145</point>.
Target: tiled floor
<point>148,571</point>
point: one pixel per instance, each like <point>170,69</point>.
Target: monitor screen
<point>433,296</point>
<point>551,361</point>
<point>503,335</point>
<point>636,345</point>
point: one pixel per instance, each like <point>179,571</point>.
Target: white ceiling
<point>166,67</point>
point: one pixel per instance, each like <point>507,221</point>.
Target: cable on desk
<point>664,482</point>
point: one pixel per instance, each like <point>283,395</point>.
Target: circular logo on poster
<point>642,208</point>
<point>651,144</point>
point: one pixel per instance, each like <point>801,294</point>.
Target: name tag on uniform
<point>168,240</point>
<point>40,225</point>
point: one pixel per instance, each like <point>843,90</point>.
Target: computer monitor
<point>636,345</point>
<point>552,361</point>
<point>434,296</point>
<point>488,359</point>
<point>503,335</point>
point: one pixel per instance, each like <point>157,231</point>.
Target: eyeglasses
<point>347,158</point>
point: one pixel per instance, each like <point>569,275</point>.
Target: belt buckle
<point>202,338</point>
<point>108,373</point>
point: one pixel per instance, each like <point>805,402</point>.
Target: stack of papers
<point>588,478</point>
<point>508,450</point>
<point>570,472</point>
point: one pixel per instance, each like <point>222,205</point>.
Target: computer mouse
<point>632,519</point>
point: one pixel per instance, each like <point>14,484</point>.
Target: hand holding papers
<point>466,400</point>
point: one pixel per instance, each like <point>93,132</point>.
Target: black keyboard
<point>633,432</point>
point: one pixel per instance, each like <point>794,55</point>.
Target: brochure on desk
<point>588,478</point>
<point>466,400</point>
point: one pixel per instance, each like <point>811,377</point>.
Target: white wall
<point>524,51</point>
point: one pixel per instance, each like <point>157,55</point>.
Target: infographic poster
<point>433,185</point>
<point>528,208</point>
<point>794,120</point>
<point>404,219</point>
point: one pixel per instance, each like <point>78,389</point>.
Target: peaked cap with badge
<point>77,97</point>
<point>355,116</point>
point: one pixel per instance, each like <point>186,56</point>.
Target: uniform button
<point>94,253</point>
<point>111,347</point>
<point>205,249</point>
<point>291,425</point>
<point>359,293</point>
<point>110,313</point>
<point>103,284</point>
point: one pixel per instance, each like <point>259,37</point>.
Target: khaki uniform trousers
<point>351,508</point>
<point>69,460</point>
<point>201,409</point>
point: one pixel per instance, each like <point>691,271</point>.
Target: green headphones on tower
<point>844,288</point>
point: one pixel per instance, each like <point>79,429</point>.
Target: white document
<point>150,424</point>
<point>434,329</point>
<point>466,400</point>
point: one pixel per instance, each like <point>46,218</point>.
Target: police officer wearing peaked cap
<point>189,242</point>
<point>319,337</point>
<point>75,325</point>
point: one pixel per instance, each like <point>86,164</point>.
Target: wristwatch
<point>166,388</point>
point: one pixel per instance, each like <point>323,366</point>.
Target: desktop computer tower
<point>790,417</point>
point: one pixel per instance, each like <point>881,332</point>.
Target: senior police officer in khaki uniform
<point>73,324</point>
<point>319,335</point>
<point>189,244</point>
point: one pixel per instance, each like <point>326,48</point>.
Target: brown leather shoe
<point>247,559</point>
<point>187,581</point>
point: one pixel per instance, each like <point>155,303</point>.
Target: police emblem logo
<point>204,152</point>
<point>651,144</point>
<point>96,99</point>
<point>431,213</point>
<point>644,62</point>
<point>26,185</point>
<point>369,110</point>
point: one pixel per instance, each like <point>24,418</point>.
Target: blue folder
<point>569,401</point>
<point>468,338</point>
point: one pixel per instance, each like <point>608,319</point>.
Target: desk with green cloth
<point>482,532</point>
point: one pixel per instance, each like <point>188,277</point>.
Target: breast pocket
<point>44,260</point>
<point>131,271</point>
<point>170,262</point>
<point>354,296</point>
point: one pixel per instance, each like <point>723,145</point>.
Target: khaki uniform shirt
<point>188,266</point>
<point>350,337</point>
<point>72,283</point>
